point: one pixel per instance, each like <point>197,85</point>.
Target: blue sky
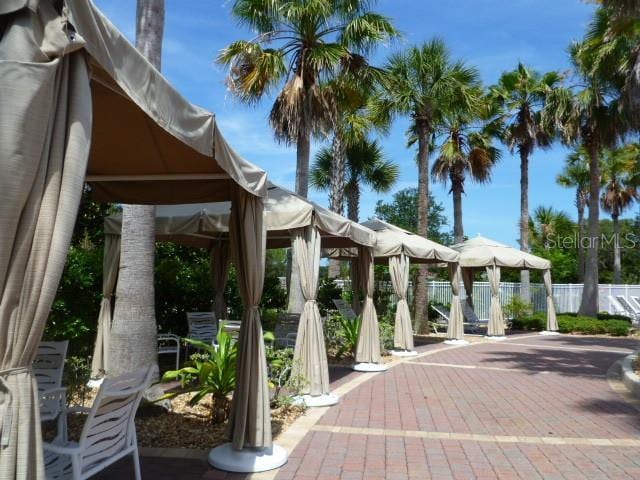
<point>490,34</point>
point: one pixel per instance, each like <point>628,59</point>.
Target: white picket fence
<point>567,296</point>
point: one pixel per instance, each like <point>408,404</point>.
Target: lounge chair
<point>632,311</point>
<point>344,308</point>
<point>286,330</point>
<point>108,434</point>
<point>616,306</point>
<point>443,321</point>
<point>169,343</point>
<point>202,326</point>
<point>635,299</point>
<point>48,368</point>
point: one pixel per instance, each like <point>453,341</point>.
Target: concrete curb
<point>630,378</point>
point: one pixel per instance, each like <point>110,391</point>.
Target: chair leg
<point>136,465</point>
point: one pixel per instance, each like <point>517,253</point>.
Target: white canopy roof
<point>392,240</point>
<point>484,252</point>
<point>198,224</point>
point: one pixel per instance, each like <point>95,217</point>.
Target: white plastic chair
<point>636,300</point>
<point>286,330</point>
<point>631,310</point>
<point>169,343</point>
<point>617,308</point>
<point>202,326</point>
<point>108,434</point>
<point>48,368</point>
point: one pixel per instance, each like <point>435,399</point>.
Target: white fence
<point>567,296</point>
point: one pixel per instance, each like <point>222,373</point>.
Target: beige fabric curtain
<point>368,350</point>
<point>110,264</point>
<point>219,264</point>
<point>45,131</point>
<point>403,331</point>
<point>250,419</point>
<point>455,330</point>
<point>310,356</point>
<point>552,321</point>
<point>496,319</point>
<point>467,280</point>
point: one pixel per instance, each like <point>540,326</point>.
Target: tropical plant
<point>620,191</point>
<point>576,175</point>
<point>366,164</point>
<point>522,94</point>
<point>546,224</point>
<point>212,373</point>
<point>133,341</point>
<point>518,308</point>
<point>423,83</point>
<point>300,44</point>
<point>349,330</point>
<point>466,151</point>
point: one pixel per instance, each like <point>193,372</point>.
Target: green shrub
<point>592,326</point>
<point>536,322</point>
<point>327,292</point>
<point>386,325</point>
<point>517,308</point>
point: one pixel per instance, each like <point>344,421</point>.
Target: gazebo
<point>289,219</point>
<point>482,253</point>
<point>80,102</point>
<point>399,248</point>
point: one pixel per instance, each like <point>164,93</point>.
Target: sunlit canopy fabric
<point>149,144</point>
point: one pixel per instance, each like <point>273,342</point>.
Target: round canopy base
<point>95,382</point>
<point>404,353</point>
<point>548,332</point>
<point>369,367</point>
<point>455,341</point>
<point>247,460</point>
<point>495,337</point>
<point>324,400</point>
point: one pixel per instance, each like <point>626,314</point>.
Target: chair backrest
<point>440,310</point>
<point>286,323</point>
<point>617,306</point>
<point>48,365</point>
<point>109,428</point>
<point>636,300</point>
<point>627,305</point>
<point>344,308</point>
<point>469,314</point>
<point>202,326</point>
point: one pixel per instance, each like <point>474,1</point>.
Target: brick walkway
<point>532,407</point>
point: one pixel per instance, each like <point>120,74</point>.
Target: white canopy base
<point>369,367</point>
<point>454,341</point>
<point>324,400</point>
<point>247,460</point>
<point>496,338</point>
<point>548,332</point>
<point>95,382</point>
<point>404,353</point>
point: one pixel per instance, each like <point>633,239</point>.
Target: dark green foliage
<point>572,323</point>
<point>274,297</point>
<point>386,325</point>
<point>327,292</point>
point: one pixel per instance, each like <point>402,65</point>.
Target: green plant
<point>212,373</point>
<point>386,325</point>
<point>517,308</point>
<point>327,292</point>
<point>77,372</point>
<point>350,332</point>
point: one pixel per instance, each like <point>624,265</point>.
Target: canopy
<point>481,252</point>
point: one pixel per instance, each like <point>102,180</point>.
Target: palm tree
<point>589,116</point>
<point>300,44</point>
<point>466,151</point>
<point>133,330</point>
<point>423,83</point>
<point>523,94</point>
<point>366,164</point>
<point>547,222</point>
<point>620,191</point>
<point>576,175</point>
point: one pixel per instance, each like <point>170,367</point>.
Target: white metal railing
<point>567,296</point>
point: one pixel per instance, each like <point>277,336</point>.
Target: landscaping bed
<point>605,324</point>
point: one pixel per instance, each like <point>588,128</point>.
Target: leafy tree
<point>300,44</point>
<point>423,83</point>
<point>366,164</point>
<point>522,95</point>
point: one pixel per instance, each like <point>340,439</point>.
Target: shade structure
<point>77,99</point>
<point>483,253</point>
<point>400,247</point>
<point>288,218</point>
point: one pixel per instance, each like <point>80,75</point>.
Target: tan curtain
<point>110,264</point>
<point>45,131</point>
<point>455,330</point>
<point>310,356</point>
<point>552,321</point>
<point>496,320</point>
<point>219,264</point>
<point>368,350</point>
<point>250,420</point>
<point>467,280</point>
<point>403,331</point>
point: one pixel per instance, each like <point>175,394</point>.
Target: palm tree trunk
<point>421,293</point>
<point>589,302</point>
<point>580,206</point>
<point>134,330</point>
<point>617,264</point>
<point>456,191</point>
<point>336,194</point>
<point>353,202</point>
<point>525,284</point>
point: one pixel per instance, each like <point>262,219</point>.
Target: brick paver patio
<point>532,407</point>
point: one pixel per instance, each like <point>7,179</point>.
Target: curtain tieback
<point>5,410</point>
